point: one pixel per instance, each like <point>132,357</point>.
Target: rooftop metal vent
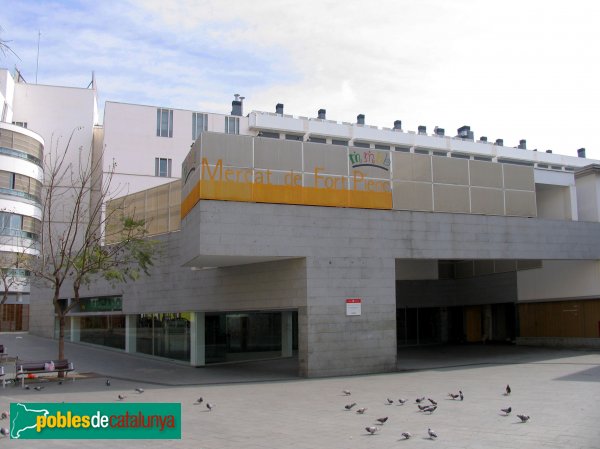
<point>500,142</point>
<point>439,131</point>
<point>398,124</point>
<point>422,129</point>
<point>322,113</point>
<point>237,105</point>
<point>360,119</point>
<point>279,108</point>
<point>523,144</point>
<point>581,152</point>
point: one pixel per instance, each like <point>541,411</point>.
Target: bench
<point>24,369</point>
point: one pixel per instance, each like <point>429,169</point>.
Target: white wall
<point>553,202</point>
<point>588,197</point>
<point>130,140</point>
<point>560,279</point>
<point>55,113</point>
<point>7,85</point>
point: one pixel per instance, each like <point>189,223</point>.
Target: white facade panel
<point>560,279</point>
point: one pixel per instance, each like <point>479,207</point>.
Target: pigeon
<point>346,392</point>
<point>430,409</point>
<point>199,401</point>
<point>349,406</point>
<point>454,396</point>
<point>422,407</point>
<point>121,397</point>
<point>139,390</point>
<point>523,418</point>
<point>432,434</point>
<point>382,420</point>
<point>27,387</point>
<point>210,406</point>
<point>402,401</point>
<point>461,395</point>
<point>4,431</point>
<point>406,435</point>
<point>60,382</point>
<point>371,429</point>
<point>389,401</point>
<point>506,410</point>
<point>4,415</point>
<point>362,410</point>
<point>507,390</point>
<point>107,382</point>
<point>419,400</point>
<point>38,388</point>
<point>432,401</point>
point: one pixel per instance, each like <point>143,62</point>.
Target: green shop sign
<point>44,421</point>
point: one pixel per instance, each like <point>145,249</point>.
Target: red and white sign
<point>353,306</point>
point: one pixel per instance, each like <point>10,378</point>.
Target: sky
<point>525,69</point>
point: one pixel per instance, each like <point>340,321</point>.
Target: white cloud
<point>512,69</point>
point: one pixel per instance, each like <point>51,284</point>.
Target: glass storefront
<point>104,330</point>
<point>242,336</point>
<point>164,335</point>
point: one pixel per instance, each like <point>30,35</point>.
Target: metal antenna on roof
<point>37,62</point>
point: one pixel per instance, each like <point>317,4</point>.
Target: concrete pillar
<point>287,334</point>
<point>131,333</point>
<point>332,343</point>
<point>75,324</point>
<point>197,339</point>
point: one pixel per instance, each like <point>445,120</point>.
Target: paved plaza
<point>264,405</point>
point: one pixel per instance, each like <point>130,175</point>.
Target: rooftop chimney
<point>322,113</point>
<point>279,108</point>
<point>464,132</point>
<point>422,129</point>
<point>439,131</point>
<point>236,105</point>
<point>523,144</point>
<point>483,139</point>
<point>360,119</point>
<point>581,152</point>
<point>500,142</point>
<point>398,124</point>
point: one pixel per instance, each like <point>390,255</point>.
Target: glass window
<point>199,124</point>
<point>164,335</point>
<point>232,125</point>
<point>11,221</point>
<point>164,122</point>
<point>162,167</point>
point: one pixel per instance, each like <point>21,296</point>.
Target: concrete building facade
<point>338,242</point>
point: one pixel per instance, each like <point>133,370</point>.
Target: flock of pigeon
<point>121,397</point>
<point>424,406</point>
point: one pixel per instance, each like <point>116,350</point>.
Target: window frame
<point>164,122</point>
<point>158,172</point>
<point>236,125</point>
<point>204,122</point>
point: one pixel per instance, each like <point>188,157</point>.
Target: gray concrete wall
<point>331,343</point>
<point>275,230</point>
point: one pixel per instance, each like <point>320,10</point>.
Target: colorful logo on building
<point>370,159</point>
<point>43,421</point>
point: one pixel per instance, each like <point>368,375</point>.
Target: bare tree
<point>73,223</point>
<point>5,48</point>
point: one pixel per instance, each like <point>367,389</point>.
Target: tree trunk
<point>61,340</point>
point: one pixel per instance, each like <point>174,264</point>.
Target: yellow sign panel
<point>219,182</point>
